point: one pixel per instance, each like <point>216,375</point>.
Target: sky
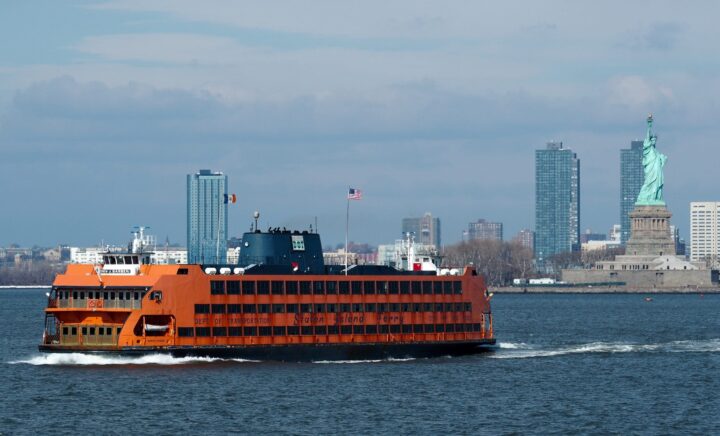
<point>426,106</point>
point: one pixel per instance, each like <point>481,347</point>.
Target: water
<point>566,364</point>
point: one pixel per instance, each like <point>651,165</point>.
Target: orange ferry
<point>283,303</point>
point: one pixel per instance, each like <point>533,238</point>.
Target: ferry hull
<point>302,352</point>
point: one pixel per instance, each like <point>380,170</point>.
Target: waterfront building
<point>705,231</point>
<point>525,238</point>
<point>206,217</point>
<point>631,180</point>
<point>426,229</point>
<point>557,201</point>
<point>485,230</point>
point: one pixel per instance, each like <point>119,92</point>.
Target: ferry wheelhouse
<point>281,302</point>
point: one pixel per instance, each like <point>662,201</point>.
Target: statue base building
<point>650,261</point>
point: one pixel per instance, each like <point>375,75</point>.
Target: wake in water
<point>520,350</point>
<point>80,359</point>
<point>389,359</point>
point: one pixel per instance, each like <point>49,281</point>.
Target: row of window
<point>105,295</point>
<point>327,330</point>
<point>322,287</point>
<point>101,331</point>
<point>332,308</point>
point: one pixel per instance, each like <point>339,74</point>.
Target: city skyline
<point>426,107</point>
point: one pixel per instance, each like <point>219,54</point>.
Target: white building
<point>173,256</point>
<point>704,229</point>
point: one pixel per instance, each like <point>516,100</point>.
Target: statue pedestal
<point>650,232</point>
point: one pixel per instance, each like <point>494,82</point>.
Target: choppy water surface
<point>565,364</point>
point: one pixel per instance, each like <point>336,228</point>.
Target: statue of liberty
<point>651,193</point>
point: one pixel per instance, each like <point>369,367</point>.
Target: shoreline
<point>597,290</point>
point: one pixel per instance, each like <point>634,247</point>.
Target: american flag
<point>354,194</point>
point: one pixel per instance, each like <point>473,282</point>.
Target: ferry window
<point>333,330</point>
<point>407,328</point>
<point>468,307</point>
<point>382,287</point>
<point>75,295</point>
<point>331,308</point>
<point>429,328</point>
<point>82,295</point>
<point>405,307</point>
<point>234,331</point>
<point>344,307</point>
<point>404,288</point>
<point>278,308</point>
<point>437,287</point>
<point>369,307</point>
<point>92,330</point>
<point>318,288</point>
<point>356,288</point>
<point>263,287</point>
<point>128,260</point>
<point>263,308</point>
<point>371,329</point>
<point>440,328</point>
<point>458,307</point>
<point>344,287</point>
<point>306,308</point>
<point>217,287</point>
<point>293,330</point>
<point>319,308</point>
<point>118,331</point>
<point>127,295</point>
<point>249,331</point>
<point>292,308</point>
<point>331,287</point>
<point>382,307</point>
<point>135,260</point>
<point>369,287</point>
<point>182,271</point>
<point>291,288</point>
<point>84,330</point>
<point>320,330</point>
<point>345,329</point>
<point>358,329</point>
<point>278,331</point>
<point>233,288</point>
<point>277,288</point>
<point>306,330</point>
<point>136,296</point>
<point>457,287</point>
<point>427,307</point>
<point>73,331</point>
<point>427,287</point>
<point>305,288</point>
<point>448,307</point>
<point>101,331</point>
<point>202,331</point>
<point>185,332</point>
<point>112,260</point>
<point>459,328</point>
<point>447,287</point>
<point>393,287</point>
<point>233,308</point>
<point>219,331</point>
<point>357,307</point>
<point>384,328</point>
<point>450,328</point>
<point>395,328</point>
<point>218,308</point>
<point>394,307</point>
<point>415,287</point>
<point>112,295</point>
<point>438,307</point>
<point>65,330</point>
<point>476,327</point>
<point>248,288</point>
<point>417,307</point>
<point>202,308</point>
<point>105,295</point>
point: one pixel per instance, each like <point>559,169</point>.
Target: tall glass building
<point>206,217</point>
<point>557,201</point>
<point>631,181</point>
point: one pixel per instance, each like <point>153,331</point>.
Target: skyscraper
<point>484,230</point>
<point>631,181</point>
<point>206,217</point>
<point>426,229</point>
<point>557,201</point>
<point>705,230</point>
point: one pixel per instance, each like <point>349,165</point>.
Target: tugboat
<point>280,302</point>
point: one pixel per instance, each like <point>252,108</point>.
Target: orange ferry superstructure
<point>280,312</point>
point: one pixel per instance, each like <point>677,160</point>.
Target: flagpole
<point>347,227</point>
